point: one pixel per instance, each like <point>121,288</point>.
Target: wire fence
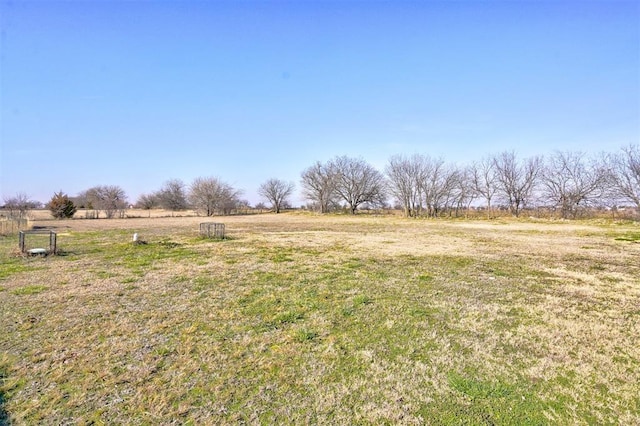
<point>11,226</point>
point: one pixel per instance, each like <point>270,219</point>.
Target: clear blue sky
<point>135,93</point>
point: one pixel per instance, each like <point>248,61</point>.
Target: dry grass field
<point>307,319</point>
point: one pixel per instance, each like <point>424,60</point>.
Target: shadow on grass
<point>4,416</point>
<point>63,253</point>
<point>5,420</point>
<point>51,227</point>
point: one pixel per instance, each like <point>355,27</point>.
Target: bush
<point>61,206</point>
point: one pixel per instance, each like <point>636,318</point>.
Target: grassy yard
<point>304,319</point>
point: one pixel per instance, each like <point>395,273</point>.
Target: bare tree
<point>625,174</point>
<point>426,185</point>
<point>172,196</point>
<point>19,205</point>
<point>233,204</point>
<point>358,182</point>
<point>402,174</point>
<point>516,180</point>
<point>81,200</point>
<point>110,199</point>
<point>570,183</point>
<point>148,202</point>
<point>464,190</point>
<point>243,206</point>
<point>210,194</point>
<point>276,192</point>
<point>437,183</point>
<point>319,185</point>
<point>484,180</point>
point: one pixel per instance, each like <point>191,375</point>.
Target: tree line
<point>567,183</point>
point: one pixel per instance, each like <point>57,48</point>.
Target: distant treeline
<point>565,184</point>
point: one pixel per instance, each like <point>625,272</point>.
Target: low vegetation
<point>298,319</point>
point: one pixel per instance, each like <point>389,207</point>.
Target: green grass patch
<point>281,257</point>
<point>425,278</point>
<point>305,335</point>
<point>205,282</point>
<point>479,389</point>
<point>362,299</point>
<point>103,275</point>
<point>15,266</point>
<point>288,317</point>
<point>7,387</point>
<point>631,237</point>
<point>30,289</point>
<point>495,402</point>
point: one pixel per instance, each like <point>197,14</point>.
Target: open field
<point>306,319</point>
